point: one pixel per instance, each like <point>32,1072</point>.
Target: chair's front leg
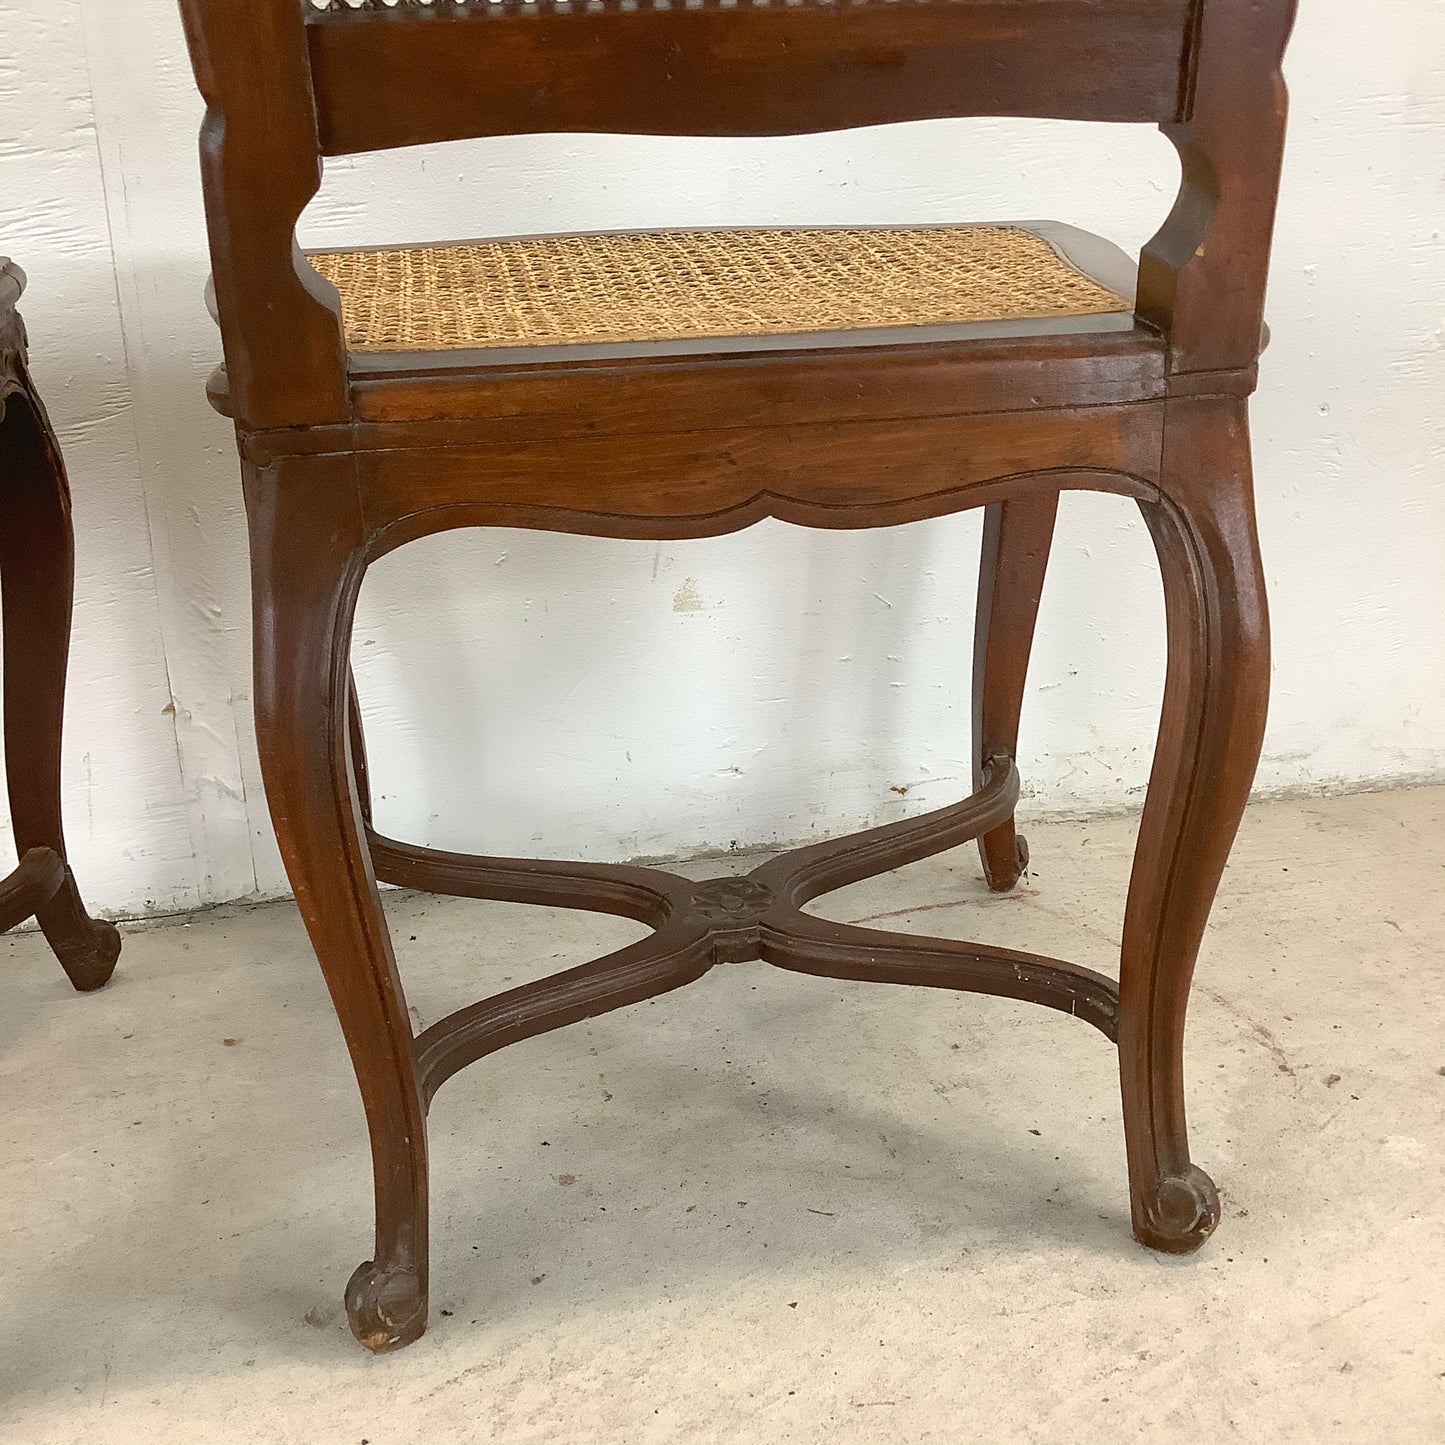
<point>37,576</point>
<point>307,564</point>
<point>1017,535</point>
<point>1215,699</point>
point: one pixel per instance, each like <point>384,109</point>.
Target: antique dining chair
<point>37,578</point>
<point>685,384</point>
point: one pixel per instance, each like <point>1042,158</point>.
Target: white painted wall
<point>599,698</point>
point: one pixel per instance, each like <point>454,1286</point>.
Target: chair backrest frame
<point>287,83</point>
<point>409,75</point>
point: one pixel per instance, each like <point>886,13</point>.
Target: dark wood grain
<point>836,378</point>
<point>694,484</point>
<point>731,920</point>
<point>387,78</point>
<point>1017,536</point>
<point>260,165</point>
<point>34,881</point>
<point>37,581</point>
<point>349,457</point>
<point>1215,700</point>
<point>307,559</point>
<point>1202,278</point>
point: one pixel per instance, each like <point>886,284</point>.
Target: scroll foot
<point>90,968</point>
<point>86,947</point>
<point>1004,880</point>
<point>387,1307</point>
<point>1181,1215</point>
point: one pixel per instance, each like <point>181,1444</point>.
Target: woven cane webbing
<point>667,285</point>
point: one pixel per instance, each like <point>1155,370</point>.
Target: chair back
<point>288,82</point>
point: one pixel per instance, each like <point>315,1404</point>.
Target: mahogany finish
<point>347,457</point>
<point>404,76</point>
<point>37,580</point>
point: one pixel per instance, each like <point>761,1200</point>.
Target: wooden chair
<point>37,576</point>
<point>671,385</point>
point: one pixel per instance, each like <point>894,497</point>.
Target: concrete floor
<point>766,1208</point>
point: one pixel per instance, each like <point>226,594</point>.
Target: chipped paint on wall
<point>687,598</point>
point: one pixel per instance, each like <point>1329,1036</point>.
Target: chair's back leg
<point>1215,699</point>
<point>37,576</point>
<point>307,563</point>
<point>361,773</point>
<point>1017,535</point>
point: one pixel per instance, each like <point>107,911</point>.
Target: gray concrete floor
<point>765,1208</point>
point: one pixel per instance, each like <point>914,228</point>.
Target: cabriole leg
<point>1017,535</point>
<point>1215,699</point>
<point>37,576</point>
<point>307,564</point>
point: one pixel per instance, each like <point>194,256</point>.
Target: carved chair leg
<point>307,563</point>
<point>1017,535</point>
<point>37,565</point>
<point>1215,699</point>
